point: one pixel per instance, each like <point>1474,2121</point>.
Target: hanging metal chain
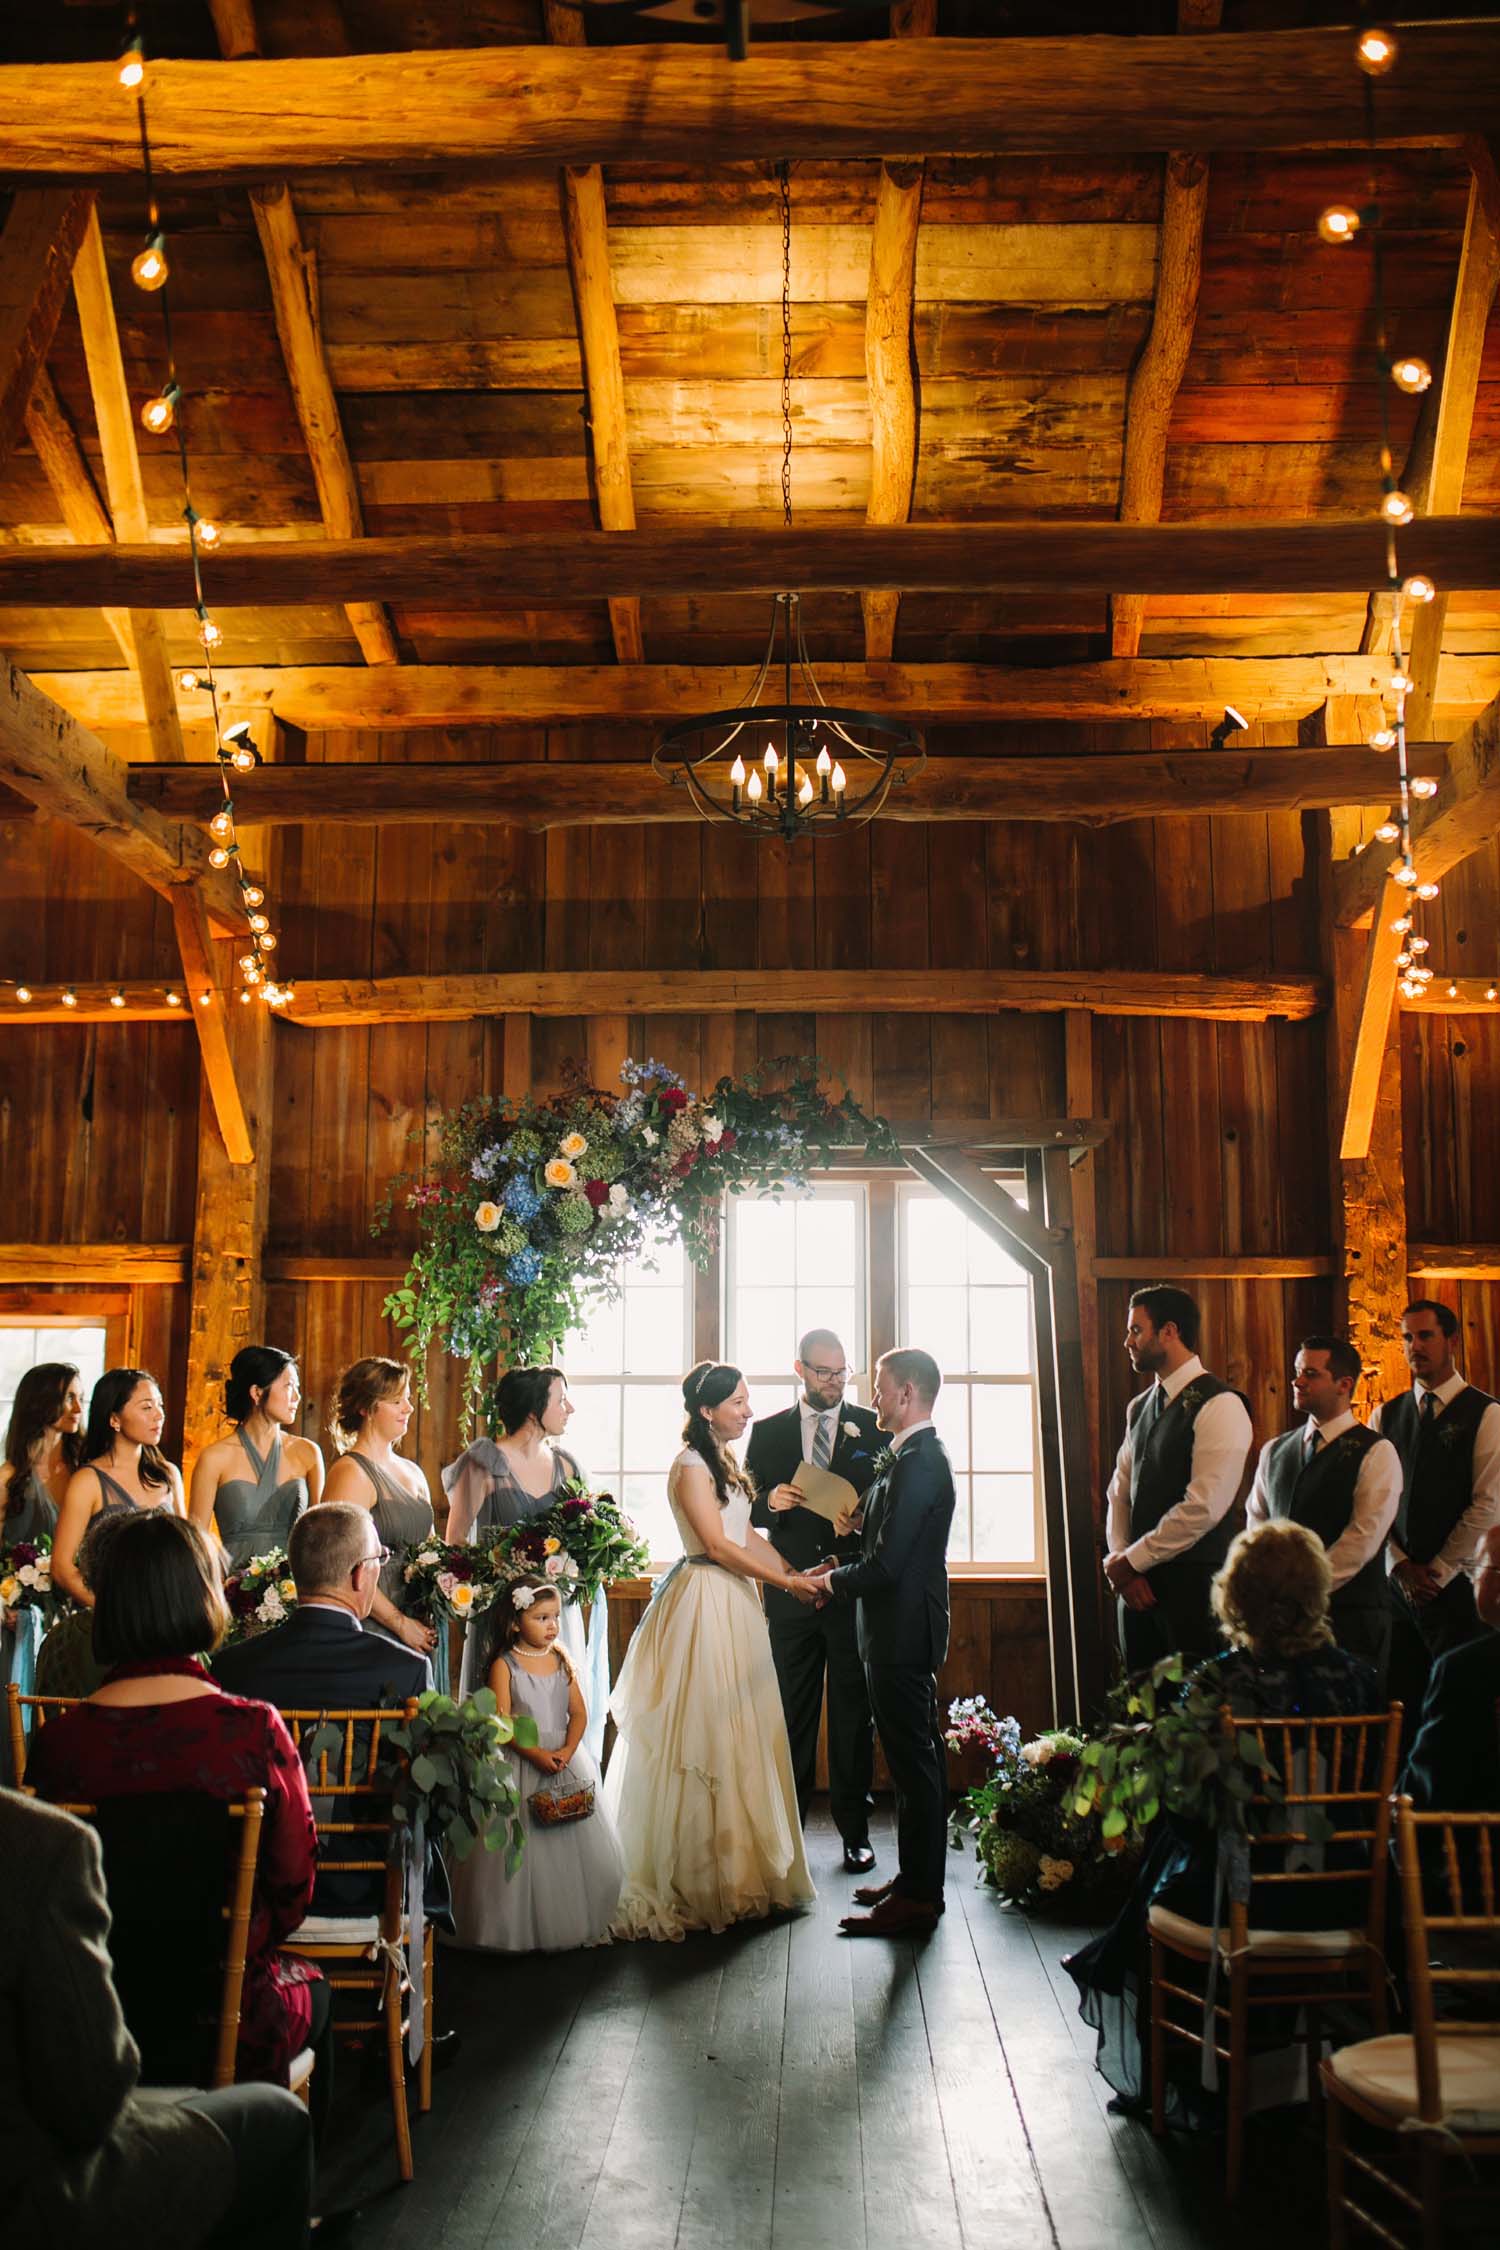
<point>784,178</point>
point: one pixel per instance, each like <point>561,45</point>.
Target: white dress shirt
<point>1221,1445</point>
<point>910,1431</point>
<point>811,1417</point>
<point>1460,1549</point>
<point>1377,1495</point>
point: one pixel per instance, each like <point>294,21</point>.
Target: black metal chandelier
<point>801,765</point>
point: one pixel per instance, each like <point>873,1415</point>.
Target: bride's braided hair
<point>709,1384</point>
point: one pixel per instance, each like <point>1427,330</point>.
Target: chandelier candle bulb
<point>1375,50</point>
<point>805,790</point>
<point>840,781</point>
<point>753,789</point>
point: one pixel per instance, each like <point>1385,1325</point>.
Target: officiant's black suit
<point>900,1586</point>
<point>808,1643</point>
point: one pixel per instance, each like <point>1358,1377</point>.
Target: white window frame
<point>623,1380</point>
<point>824,1188</point>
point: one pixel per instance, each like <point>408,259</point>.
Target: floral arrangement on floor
<point>260,1594</point>
<point>1033,1845</point>
<point>26,1576</point>
<point>527,1209</point>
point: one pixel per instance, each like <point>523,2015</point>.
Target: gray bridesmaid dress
<point>256,1515</point>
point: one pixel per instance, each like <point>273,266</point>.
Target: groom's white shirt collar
<point>910,1431</point>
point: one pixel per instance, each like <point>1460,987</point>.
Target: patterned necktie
<point>823,1441</point>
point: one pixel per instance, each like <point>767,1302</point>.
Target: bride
<point>700,1785</point>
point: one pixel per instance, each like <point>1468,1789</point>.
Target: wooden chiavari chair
<point>19,1708</point>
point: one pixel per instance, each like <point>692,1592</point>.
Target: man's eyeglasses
<point>829,1374</point>
<point>382,1555</point>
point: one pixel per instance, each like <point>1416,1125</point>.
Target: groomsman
<point>899,1589</point>
<point>1176,1480</point>
<point>811,1644</point>
<point>1341,1481</point>
<point>1447,1433</point>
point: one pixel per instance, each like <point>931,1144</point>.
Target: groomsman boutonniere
<point>885,1461</point>
<point>851,1429</point>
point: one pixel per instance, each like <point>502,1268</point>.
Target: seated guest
<point>160,1726</point>
<point>1454,1764</point>
<point>1271,1598</point>
<point>1343,1481</point>
<point>322,1659</point>
<point>87,2162</point>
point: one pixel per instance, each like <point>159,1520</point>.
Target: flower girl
<point>565,1891</point>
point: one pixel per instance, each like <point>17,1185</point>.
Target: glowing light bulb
<point>737,773</point>
<point>222,825</point>
<point>268,942</point>
<point>1403,960</point>
<point>840,781</point>
<point>248,961</point>
<point>117,997</point>
<point>1411,375</point>
<point>1492,993</point>
<point>246,997</point>
<point>254,895</point>
<point>132,67</point>
<point>209,633</point>
<point>158,414</point>
<point>218,857</point>
<point>1410,991</point>
<point>1428,890</point>
<point>259,922</point>
<point>1406,877</point>
<point>252,977</point>
<point>1384,738</point>
<point>1388,832</point>
<point>243,760</point>
<point>206,533</point>
<point>1339,223</point>
<point>205,999</point>
<point>1375,50</point>
<point>1396,508</point>
<point>805,793</point>
<point>149,268</point>
<point>1424,786</point>
<point>69,998</point>
<point>1401,925</point>
<point>188,681</point>
<point>174,999</point>
<point>1418,944</point>
<point>772,762</point>
<point>1419,588</point>
<point>1399,684</point>
<point>754,791</point>
<point>825,763</point>
<point>23,993</point>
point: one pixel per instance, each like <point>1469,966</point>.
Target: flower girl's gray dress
<point>566,1889</point>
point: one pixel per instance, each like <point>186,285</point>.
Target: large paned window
<point>960,1297</point>
<point>793,1263</point>
<point>625,1368</point>
<point>26,1343</point>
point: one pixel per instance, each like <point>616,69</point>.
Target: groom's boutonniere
<point>885,1461</point>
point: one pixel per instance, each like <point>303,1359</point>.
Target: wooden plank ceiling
<point>449,321</point>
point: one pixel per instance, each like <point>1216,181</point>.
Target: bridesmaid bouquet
<point>584,1542</point>
<point>26,1577</point>
<point>444,1580</point>
<point>260,1594</point>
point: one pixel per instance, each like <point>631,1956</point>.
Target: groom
<point>900,1583</point>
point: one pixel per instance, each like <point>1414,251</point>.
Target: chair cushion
<point>1383,2072</point>
<point>301,2070</point>
<point>1197,1937</point>
<point>335,1929</point>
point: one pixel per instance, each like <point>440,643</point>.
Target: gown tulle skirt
<point>700,1784</point>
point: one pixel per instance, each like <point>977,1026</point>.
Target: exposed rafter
<point>38,245</point>
<point>1464,815</point>
<point>55,444</point>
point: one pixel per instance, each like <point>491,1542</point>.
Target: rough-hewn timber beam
<point>1372,1025</point>
<point>1463,815</point>
<point>1448,1261</point>
<point>890,355</point>
<point>38,244</point>
<point>1457,996</point>
<point>657,992</point>
<point>160,1265</point>
<point>57,764</point>
<point>1159,371</point>
<point>443,695</point>
<point>209,997</point>
<point>544,105</point>
<point>55,444</point>
<point>1474,293</point>
<point>537,794</point>
<point>1250,1266</point>
<point>552,569</point>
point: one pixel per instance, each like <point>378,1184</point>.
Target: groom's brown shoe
<point>893,1917</point>
<point>871,1894</point>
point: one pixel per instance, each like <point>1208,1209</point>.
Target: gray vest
<point>1319,1494</point>
<point>1161,1469</point>
<point>1438,1465</point>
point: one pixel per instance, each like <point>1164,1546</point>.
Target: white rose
<point>1035,1753</point>
<point>650,1135</point>
<point>618,1199</point>
<point>851,1429</point>
<point>712,1128</point>
<point>28,1574</point>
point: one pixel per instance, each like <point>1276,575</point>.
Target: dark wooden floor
<point>780,2088</point>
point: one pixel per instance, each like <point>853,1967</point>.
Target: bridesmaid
<point>491,1486</point>
<point>43,1447</point>
<point>123,1468</point>
<point>369,1419</point>
<point>255,1512</point>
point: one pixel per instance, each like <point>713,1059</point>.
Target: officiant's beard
<point>823,1397</point>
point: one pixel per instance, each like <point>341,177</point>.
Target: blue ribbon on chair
<point>416,1935</point>
<point>29,1631</point>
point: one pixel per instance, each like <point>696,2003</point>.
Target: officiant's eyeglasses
<point>828,1374</point>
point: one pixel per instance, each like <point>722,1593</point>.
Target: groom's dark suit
<point>900,1584</point>
<point>806,1642</point>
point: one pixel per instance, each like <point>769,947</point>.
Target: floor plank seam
<point>1026,2133</point>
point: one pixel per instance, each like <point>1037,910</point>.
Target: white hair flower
<point>522,1597</point>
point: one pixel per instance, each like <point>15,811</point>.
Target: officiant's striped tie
<point>822,1441</point>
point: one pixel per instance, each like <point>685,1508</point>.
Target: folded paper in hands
<point>827,1495</point>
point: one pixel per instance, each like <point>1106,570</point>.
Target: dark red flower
<point>597,1191</point>
<point>685,1164</point>
<point>726,1140</point>
<point>673,1099</point>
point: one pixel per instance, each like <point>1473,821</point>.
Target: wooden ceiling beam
<point>210,1000</point>
<point>539,795</point>
<point>1474,294</point>
<point>55,444</point>
<point>1372,1024</point>
<point>1460,819</point>
<point>556,569</point>
<point>541,105</point>
<point>586,231</point>
<point>38,244</point>
<point>331,1001</point>
<point>1160,369</point>
<point>50,759</point>
<point>890,352</point>
<point>316,698</point>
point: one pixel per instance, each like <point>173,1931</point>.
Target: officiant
<point>811,1645</point>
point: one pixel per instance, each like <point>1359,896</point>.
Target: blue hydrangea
<point>483,1166</point>
<point>523,1268</point>
<point>521,1199</point>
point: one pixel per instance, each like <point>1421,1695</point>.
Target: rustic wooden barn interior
<point>476,316</point>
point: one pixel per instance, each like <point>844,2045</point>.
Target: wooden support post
<point>56,446</point>
<point>38,245</point>
<point>229,1228</point>
<point>1372,1026</point>
<point>586,224</point>
<point>1092,1616</point>
<point>208,993</point>
<point>1078,1066</point>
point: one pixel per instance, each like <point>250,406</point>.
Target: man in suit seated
<point>1454,1764</point>
<point>322,1659</point>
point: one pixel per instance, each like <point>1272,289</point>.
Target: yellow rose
<point>551,1546</point>
<point>10,1591</point>
<point>461,1598</point>
<point>572,1144</point>
<point>488,1217</point>
<point>287,1589</point>
<point>559,1173</point>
